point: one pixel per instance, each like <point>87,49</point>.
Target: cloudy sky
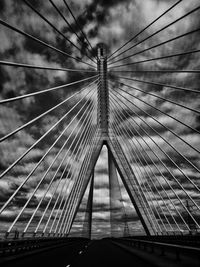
<point>137,125</point>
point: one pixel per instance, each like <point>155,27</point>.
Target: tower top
<point>102,50</point>
<point>103,95</point>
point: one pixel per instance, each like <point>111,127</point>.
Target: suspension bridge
<point>109,174</point>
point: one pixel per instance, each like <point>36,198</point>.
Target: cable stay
<point>4,23</point>
<point>49,23</point>
<point>86,120</point>
<point>157,58</point>
<point>185,175</point>
<point>71,206</point>
<point>174,118</point>
<point>80,28</point>
<point>162,98</point>
<point>189,90</point>
<point>66,202</point>
<point>15,64</point>
<point>168,129</point>
<point>145,189</point>
<point>152,139</point>
<point>165,27</point>
<point>8,100</point>
<point>147,153</point>
<point>43,136</point>
<point>45,174</point>
<point>155,71</point>
<point>37,118</point>
<point>71,28</point>
<point>134,37</point>
<point>157,45</point>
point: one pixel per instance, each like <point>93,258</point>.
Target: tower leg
<point>113,189</point>
<point>87,227</point>
<point>90,205</point>
<point>127,175</point>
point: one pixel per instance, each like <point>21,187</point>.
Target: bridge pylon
<point>116,156</point>
<point>103,92</point>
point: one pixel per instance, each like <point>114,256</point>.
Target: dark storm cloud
<point>2,6</point>
<point>98,11</point>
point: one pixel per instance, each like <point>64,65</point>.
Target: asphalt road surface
<point>100,253</point>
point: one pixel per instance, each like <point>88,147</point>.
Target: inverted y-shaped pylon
<point>116,157</point>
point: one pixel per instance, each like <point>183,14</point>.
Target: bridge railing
<point>23,246</point>
<point>172,248</point>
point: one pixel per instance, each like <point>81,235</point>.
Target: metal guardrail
<point>15,247</point>
<point>186,240</point>
<point>177,251</point>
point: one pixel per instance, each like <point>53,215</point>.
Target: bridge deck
<point>108,252</point>
<point>95,253</point>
